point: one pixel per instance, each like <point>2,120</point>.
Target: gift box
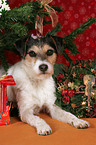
<point>4,108</point>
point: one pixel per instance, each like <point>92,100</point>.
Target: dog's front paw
<point>80,124</point>
<point>44,130</point>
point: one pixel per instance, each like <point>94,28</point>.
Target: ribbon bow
<point>2,77</point>
<point>52,14</point>
<point>6,77</point>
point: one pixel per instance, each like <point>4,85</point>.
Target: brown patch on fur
<point>30,59</point>
<point>52,59</point>
<point>36,109</point>
<point>45,109</point>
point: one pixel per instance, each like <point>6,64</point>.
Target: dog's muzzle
<point>43,68</point>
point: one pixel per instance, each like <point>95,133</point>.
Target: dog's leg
<point>59,114</point>
<point>42,127</point>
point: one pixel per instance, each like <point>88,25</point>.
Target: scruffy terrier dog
<point>35,87</point>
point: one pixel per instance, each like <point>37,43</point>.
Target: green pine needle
<point>55,30</point>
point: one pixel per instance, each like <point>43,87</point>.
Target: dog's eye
<point>32,54</point>
<point>49,52</point>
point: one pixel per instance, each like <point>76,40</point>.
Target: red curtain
<point>74,13</point>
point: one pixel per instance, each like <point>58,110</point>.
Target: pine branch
<point>66,56</point>
<point>58,9</point>
<point>81,29</point>
<point>55,30</point>
<point>3,61</point>
<point>71,46</point>
<point>68,38</point>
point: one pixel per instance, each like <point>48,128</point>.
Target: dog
<point>35,87</point>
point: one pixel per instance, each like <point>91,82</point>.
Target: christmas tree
<point>19,23</point>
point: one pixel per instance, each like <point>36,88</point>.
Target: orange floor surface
<point>19,133</point>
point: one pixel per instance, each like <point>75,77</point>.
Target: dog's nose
<point>43,67</point>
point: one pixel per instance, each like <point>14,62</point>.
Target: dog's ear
<point>20,46</point>
<point>58,42</point>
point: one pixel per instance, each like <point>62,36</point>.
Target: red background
<point>74,13</point>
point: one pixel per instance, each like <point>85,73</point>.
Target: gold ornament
<point>73,105</point>
<point>93,94</point>
<point>71,85</point>
<point>89,81</point>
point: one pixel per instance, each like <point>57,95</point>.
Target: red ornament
<point>66,99</point>
<point>71,93</point>
<point>59,78</point>
<point>81,76</point>
<point>2,31</point>
<point>64,92</point>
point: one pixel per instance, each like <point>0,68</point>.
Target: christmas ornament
<point>66,99</point>
<point>59,78</point>
<point>64,92</point>
<point>71,93</point>
<point>89,81</point>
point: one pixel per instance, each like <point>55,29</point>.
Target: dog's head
<point>40,54</point>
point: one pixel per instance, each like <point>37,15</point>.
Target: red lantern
<point>4,108</point>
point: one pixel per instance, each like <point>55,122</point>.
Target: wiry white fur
<point>32,94</point>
